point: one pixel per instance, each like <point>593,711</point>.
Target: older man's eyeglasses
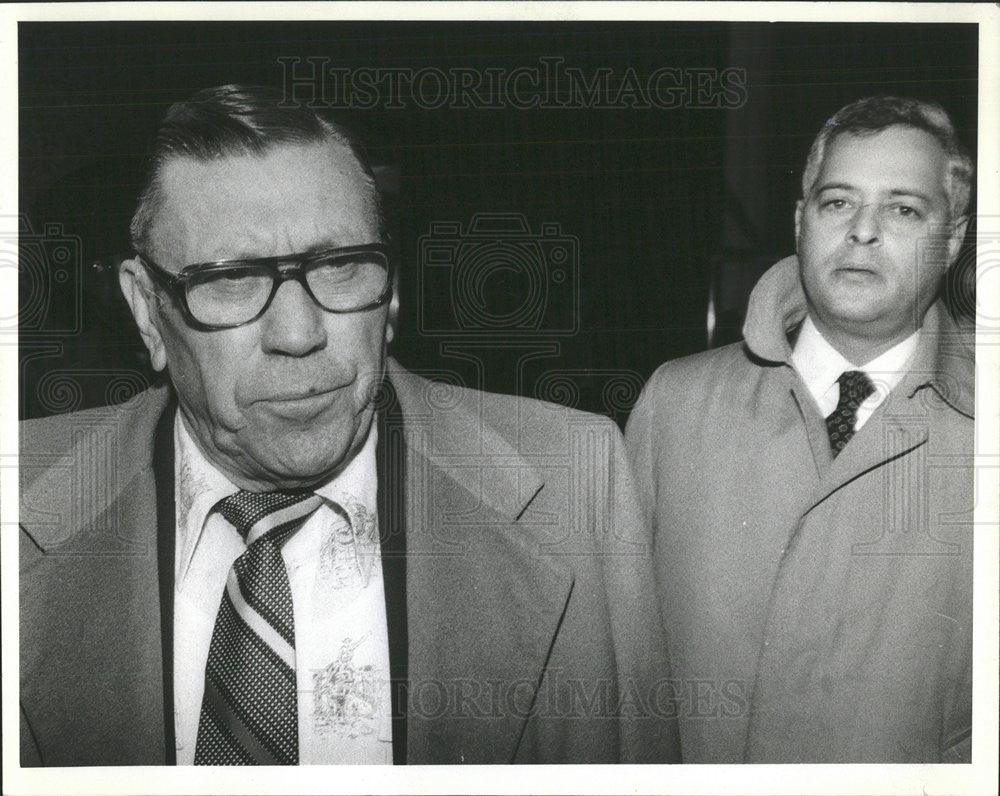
<point>230,293</point>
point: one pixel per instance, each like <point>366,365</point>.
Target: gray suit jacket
<point>525,629</point>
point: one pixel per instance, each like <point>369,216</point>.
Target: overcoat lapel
<point>900,425</point>
<point>888,434</point>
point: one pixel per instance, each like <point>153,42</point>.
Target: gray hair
<point>234,120</point>
<point>874,114</point>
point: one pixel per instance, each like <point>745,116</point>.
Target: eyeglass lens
<point>339,282</point>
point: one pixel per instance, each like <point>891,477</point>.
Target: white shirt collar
<point>355,491</point>
<point>199,485</point>
<point>820,365</point>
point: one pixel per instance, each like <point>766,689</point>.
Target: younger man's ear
<point>144,301</point>
<point>799,207</point>
<point>955,239</point>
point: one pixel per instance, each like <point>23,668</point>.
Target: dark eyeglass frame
<point>282,268</point>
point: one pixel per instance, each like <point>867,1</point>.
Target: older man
<point>811,488</point>
<point>294,551</point>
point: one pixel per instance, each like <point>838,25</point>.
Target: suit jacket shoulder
<point>90,630</point>
<point>64,456</point>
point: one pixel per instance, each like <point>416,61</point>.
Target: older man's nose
<point>293,324</point>
<point>865,225</point>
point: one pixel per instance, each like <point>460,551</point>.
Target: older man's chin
<point>262,457</point>
<point>284,467</point>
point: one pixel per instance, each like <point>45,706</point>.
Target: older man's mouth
<point>297,406</point>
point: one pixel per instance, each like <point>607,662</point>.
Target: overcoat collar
<point>940,378</point>
<point>945,359</point>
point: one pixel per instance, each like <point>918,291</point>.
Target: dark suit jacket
<point>523,624</point>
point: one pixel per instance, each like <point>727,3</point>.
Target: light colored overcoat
<point>816,609</point>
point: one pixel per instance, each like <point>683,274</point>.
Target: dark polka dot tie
<point>249,714</point>
<point>855,387</point>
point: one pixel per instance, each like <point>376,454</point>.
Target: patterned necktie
<point>855,387</point>
<point>249,714</point>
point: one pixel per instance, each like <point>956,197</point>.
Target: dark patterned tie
<point>249,714</point>
<point>855,386</point>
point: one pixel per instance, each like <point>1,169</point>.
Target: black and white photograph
<point>653,420</point>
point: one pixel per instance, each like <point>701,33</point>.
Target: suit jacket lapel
<point>166,525</point>
<point>390,459</point>
<point>483,605</point>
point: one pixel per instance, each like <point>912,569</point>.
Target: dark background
<point>658,211</point>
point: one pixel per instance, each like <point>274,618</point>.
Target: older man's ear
<point>390,329</point>
<point>144,302</point>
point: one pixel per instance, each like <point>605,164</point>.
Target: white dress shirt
<point>335,575</point>
<point>820,365</point>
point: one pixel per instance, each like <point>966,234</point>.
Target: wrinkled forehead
<point>288,199</point>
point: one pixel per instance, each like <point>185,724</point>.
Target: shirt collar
<point>820,364</point>
<point>816,361</point>
<point>354,493</point>
<point>200,485</point>
<point>355,487</point>
<point>890,366</point>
